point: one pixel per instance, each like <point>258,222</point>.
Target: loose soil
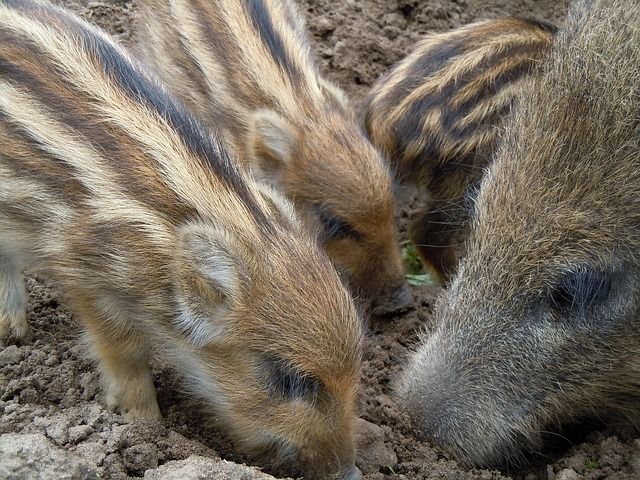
<point>48,386</point>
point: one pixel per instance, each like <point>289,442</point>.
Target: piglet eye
<point>334,228</point>
<point>284,382</point>
<point>580,290</point>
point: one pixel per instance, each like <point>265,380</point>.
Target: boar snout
<point>449,408</point>
<point>398,301</point>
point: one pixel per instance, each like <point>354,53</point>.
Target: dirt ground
<point>49,389</point>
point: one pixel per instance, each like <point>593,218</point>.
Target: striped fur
<point>436,116</point>
<point>247,65</point>
<point>110,188</point>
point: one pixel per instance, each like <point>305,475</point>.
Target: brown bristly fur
<point>247,65</point>
<point>111,189</point>
<point>436,115</point>
<point>540,323</point>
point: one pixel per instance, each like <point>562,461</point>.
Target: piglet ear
<point>336,96</point>
<point>272,141</point>
<point>207,282</point>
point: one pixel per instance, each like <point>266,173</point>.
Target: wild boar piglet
<point>247,65</point>
<point>436,115</point>
<point>112,190</point>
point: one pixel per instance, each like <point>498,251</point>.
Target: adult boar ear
<point>272,141</point>
<point>207,282</point>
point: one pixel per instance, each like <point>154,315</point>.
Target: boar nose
<point>401,297</point>
<point>399,301</point>
<point>353,473</point>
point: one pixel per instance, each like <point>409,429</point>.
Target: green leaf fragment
<point>421,279</point>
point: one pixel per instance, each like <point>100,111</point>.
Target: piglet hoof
<point>14,325</point>
<point>150,411</point>
<point>136,399</point>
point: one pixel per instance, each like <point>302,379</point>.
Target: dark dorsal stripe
<point>263,23</point>
<point>540,24</point>
<point>142,89</point>
<point>408,129</point>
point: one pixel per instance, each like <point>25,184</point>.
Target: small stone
<point>576,462</point>
<point>324,25</point>
<point>93,452</point>
<point>10,355</point>
<point>113,468</point>
<point>567,474</point>
<point>77,350</point>
<point>52,359</point>
<point>116,438</point>
<point>394,20</point>
<point>34,457</point>
<point>71,393</point>
<point>373,454</point>
<point>29,395</point>
<point>202,468</point>
<point>90,385</point>
<point>391,32</point>
<point>141,457</point>
<point>10,408</point>
<point>58,431</point>
<point>92,415</point>
<point>326,53</point>
<point>79,433</point>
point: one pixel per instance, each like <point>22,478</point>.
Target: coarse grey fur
<point>540,324</point>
